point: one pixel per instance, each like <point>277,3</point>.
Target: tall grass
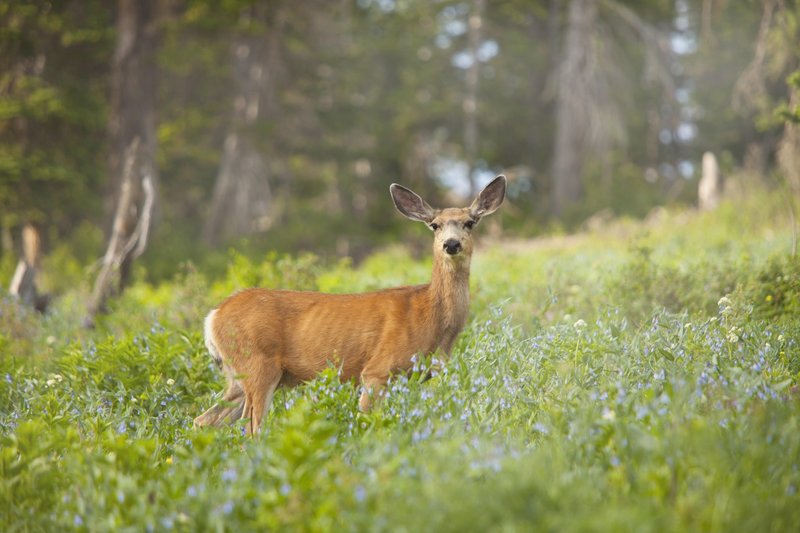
<point>640,377</point>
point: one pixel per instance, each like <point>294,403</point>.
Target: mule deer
<point>264,338</point>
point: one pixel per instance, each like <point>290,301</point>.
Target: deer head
<point>452,227</point>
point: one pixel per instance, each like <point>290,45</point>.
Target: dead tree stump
<point>23,284</point>
<point>709,190</point>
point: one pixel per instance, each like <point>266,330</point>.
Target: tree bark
<point>571,118</point>
<point>242,199</point>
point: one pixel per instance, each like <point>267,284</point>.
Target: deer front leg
<point>373,382</point>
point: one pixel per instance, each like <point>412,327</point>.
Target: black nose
<point>452,246</point>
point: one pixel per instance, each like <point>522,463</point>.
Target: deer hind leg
<point>259,387</point>
<point>229,409</point>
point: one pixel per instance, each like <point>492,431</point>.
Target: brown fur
<point>269,338</point>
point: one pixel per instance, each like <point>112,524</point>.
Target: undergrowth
<point>620,381</point>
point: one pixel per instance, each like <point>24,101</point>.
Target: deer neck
<point>450,292</point>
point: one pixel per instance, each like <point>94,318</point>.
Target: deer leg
<point>227,411</point>
<point>373,382</point>
<point>259,389</point>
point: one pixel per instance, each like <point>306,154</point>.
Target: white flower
<point>170,382</point>
<point>581,323</point>
<point>724,302</point>
<point>608,414</point>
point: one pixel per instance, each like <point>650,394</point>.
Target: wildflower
<point>580,324</point>
<point>227,507</point>
<point>608,414</point>
<point>733,337</point>
<point>541,428</point>
<point>360,493</point>
<point>229,475</point>
<point>170,382</point>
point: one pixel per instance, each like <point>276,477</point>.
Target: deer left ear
<point>489,198</point>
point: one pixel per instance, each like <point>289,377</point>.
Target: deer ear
<point>410,204</point>
<point>489,198</point>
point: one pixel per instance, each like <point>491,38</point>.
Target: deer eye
<point>469,224</point>
<point>434,226</point>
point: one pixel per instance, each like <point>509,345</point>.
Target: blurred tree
<point>242,199</point>
<point>53,76</point>
<point>580,95</point>
<point>599,96</point>
<point>133,145</point>
<point>301,114</point>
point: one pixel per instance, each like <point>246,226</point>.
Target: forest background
<point>279,125</point>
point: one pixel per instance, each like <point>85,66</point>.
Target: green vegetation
<point>640,377</point>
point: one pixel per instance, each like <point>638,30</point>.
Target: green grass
<point>640,377</point>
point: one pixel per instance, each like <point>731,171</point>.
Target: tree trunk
<point>242,199</point>
<point>133,145</point>
<point>571,118</point>
<point>474,32</point>
<point>789,147</point>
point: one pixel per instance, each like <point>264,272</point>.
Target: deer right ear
<point>410,204</point>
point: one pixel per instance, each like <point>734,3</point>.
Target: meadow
<point>637,376</point>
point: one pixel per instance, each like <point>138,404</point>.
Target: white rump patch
<point>209,336</point>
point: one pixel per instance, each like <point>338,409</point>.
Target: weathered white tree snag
<point>132,133</point>
<point>129,233</point>
<point>709,190</point>
<point>23,284</point>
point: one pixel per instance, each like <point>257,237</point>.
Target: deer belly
<point>308,356</point>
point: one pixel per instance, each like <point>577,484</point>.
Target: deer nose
<point>452,246</point>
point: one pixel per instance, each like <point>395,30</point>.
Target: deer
<point>263,339</point>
